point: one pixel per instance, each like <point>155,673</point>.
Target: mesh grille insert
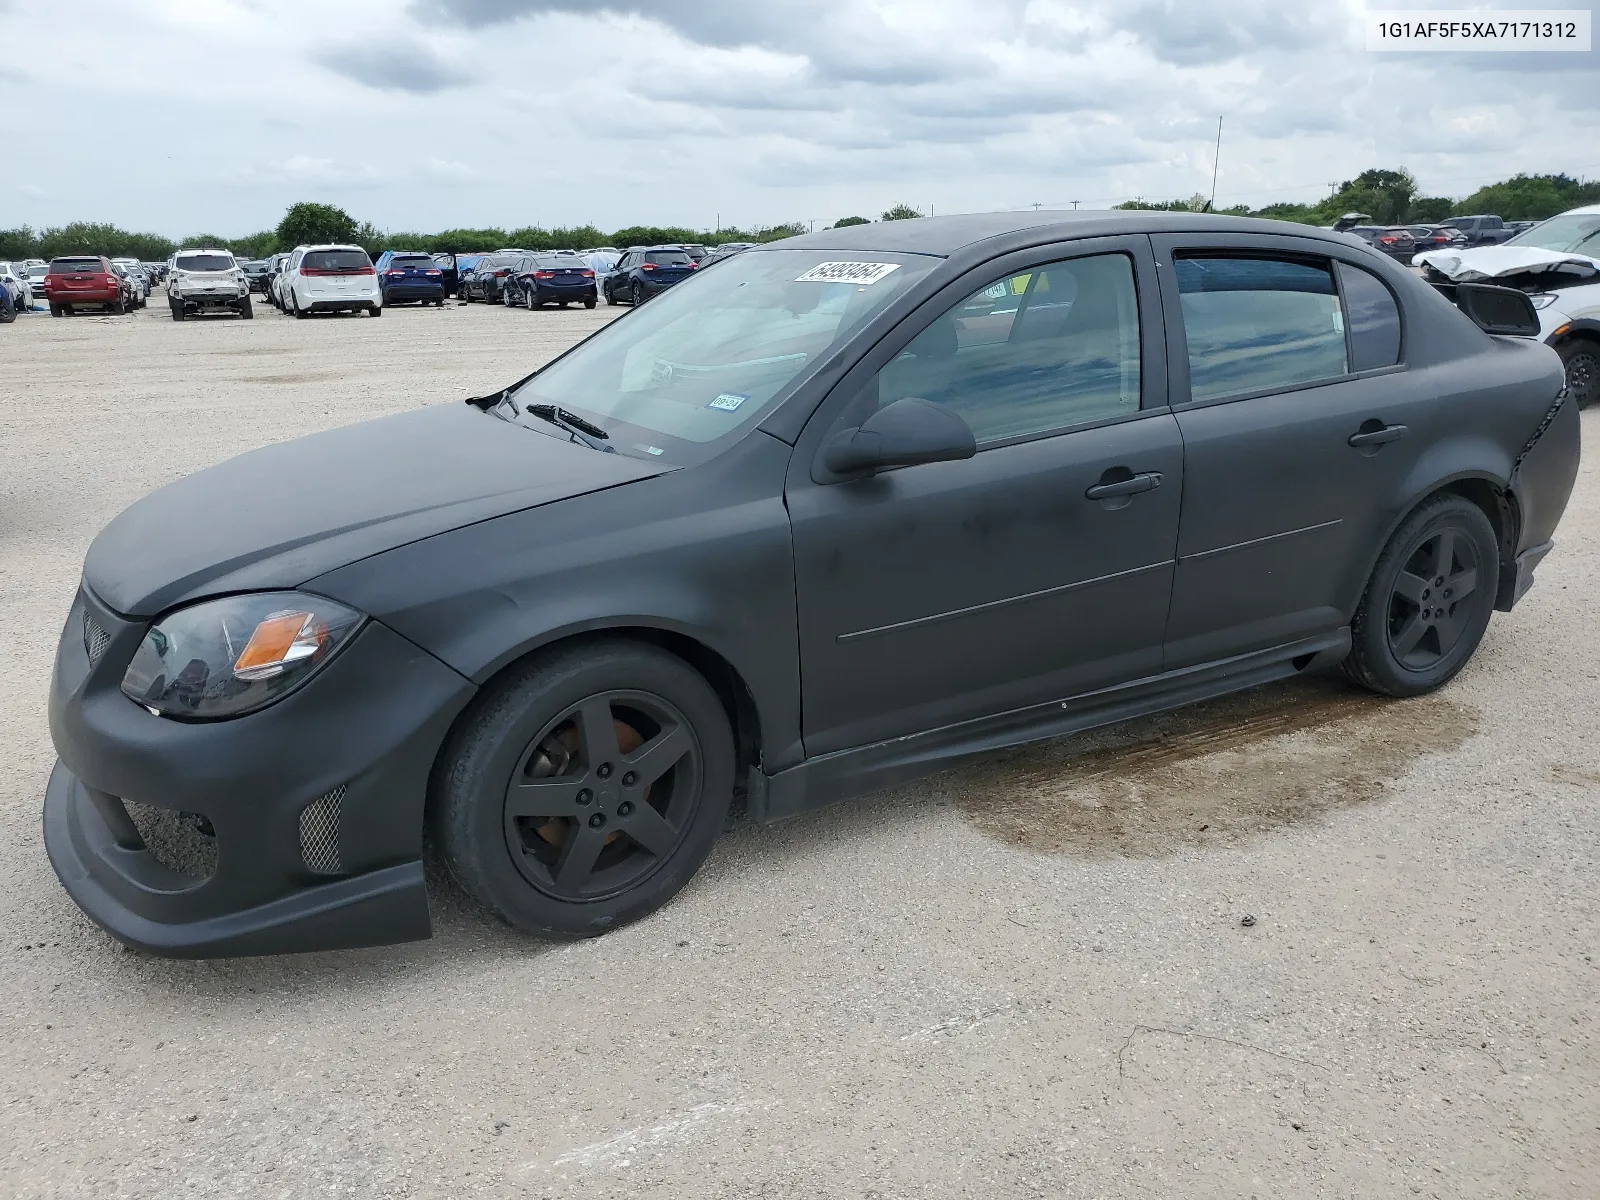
<point>179,841</point>
<point>95,640</point>
<point>319,833</point>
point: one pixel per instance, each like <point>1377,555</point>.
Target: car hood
<point>1500,262</point>
<point>275,517</point>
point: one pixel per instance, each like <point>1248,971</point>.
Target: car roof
<point>1586,210</point>
<point>327,246</point>
<point>943,236</point>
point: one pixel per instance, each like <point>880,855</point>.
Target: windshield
<point>205,262</point>
<point>1571,233</point>
<point>711,355</point>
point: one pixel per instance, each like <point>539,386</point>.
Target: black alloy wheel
<point>1581,358</point>
<point>1429,600</point>
<point>601,797</point>
<point>638,294</point>
<point>585,787</point>
<point>527,297</point>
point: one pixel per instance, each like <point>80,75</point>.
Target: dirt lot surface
<point>1297,943</point>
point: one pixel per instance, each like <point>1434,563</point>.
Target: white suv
<point>330,279</point>
<point>206,281</point>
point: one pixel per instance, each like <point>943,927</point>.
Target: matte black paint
<point>863,630</point>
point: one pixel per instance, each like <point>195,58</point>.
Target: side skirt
<point>827,779</point>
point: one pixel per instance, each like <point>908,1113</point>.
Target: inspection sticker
<point>728,401</point>
<point>847,272</point>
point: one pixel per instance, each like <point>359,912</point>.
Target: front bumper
<point>298,827</point>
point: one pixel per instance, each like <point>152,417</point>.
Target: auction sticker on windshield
<point>863,273</point>
<point>728,401</point>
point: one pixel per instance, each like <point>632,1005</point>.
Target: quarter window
<point>1374,319</point>
<point>1041,350</point>
<point>1258,324</point>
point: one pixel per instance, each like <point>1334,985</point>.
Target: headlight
<point>223,658</point>
<point>1543,299</point>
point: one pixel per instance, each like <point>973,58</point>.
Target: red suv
<point>79,280</point>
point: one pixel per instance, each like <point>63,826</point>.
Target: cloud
<point>398,67</point>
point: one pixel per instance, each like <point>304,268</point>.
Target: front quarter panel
<point>703,552</point>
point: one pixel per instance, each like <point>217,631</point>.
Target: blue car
<point>539,279</point>
<point>406,275</point>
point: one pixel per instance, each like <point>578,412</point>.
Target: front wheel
<point>611,297</point>
<point>1581,358</point>
<point>586,788</point>
<point>1428,602</point>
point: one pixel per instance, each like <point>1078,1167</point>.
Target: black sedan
<point>648,271</point>
<point>487,278</point>
<point>539,279</point>
<point>840,511</point>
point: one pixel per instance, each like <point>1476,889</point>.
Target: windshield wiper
<point>587,432</point>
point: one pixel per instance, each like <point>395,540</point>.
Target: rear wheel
<point>585,789</point>
<point>120,306</point>
<point>375,311</point>
<point>1428,602</point>
<point>246,309</point>
<point>637,294</point>
<point>1581,358</point>
<point>55,310</point>
<point>588,303</point>
<point>294,307</point>
<point>528,299</point>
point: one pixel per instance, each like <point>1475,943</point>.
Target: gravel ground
<point>1296,943</point>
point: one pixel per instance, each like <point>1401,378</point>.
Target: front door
<point>1039,568</point>
<point>1296,440</point>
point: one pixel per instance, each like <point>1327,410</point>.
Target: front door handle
<point>1375,433</point>
<point>1132,485</point>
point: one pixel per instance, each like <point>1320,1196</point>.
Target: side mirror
<point>1496,309</point>
<point>903,434</point>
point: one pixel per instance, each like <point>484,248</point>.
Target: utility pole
<point>1216,161</point>
<point>1074,206</point>
<point>1037,205</point>
<point>813,224</point>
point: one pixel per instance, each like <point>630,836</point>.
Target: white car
<point>135,268</point>
<point>14,278</point>
<point>329,279</point>
<point>201,281</point>
<point>1558,263</point>
<point>37,269</point>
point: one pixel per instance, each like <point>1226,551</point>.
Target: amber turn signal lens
<point>270,644</point>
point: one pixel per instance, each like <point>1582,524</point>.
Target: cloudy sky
<point>181,116</point>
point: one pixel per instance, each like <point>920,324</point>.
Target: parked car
<point>724,251</point>
<point>134,269</point>
<point>1517,227</point>
<point>269,279</point>
<point>85,280</point>
<point>646,272</point>
<point>1557,263</point>
<point>255,273</point>
<point>330,278</point>
<point>1435,237</point>
<point>487,279</point>
<point>37,273</point>
<point>14,278</point>
<point>450,268</point>
<point>407,275</point>
<point>728,544</point>
<point>1350,220</point>
<point>1395,241</point>
<point>1480,230</point>
<point>8,305</point>
<point>205,281</point>
<point>132,287</point>
<point>539,279</point>
<point>694,250</point>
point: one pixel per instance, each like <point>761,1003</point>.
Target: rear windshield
<point>336,260</point>
<point>416,262</point>
<point>668,258</point>
<point>69,266</point>
<point>559,262</point>
<point>499,260</point>
<point>205,262</point>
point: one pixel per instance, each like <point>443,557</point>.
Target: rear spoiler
<point>1493,309</point>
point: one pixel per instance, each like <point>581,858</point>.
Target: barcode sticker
<point>863,273</point>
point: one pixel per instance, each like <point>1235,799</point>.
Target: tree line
<point>1387,196</point>
<point>1391,198</point>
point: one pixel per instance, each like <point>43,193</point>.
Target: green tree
<point>18,243</point>
<point>1530,197</point>
<point>84,237</point>
<point>467,241</point>
<point>846,222</point>
<point>900,212</point>
<point>651,235</point>
<point>1427,209</point>
<point>776,233</point>
<point>255,245</point>
<point>1383,194</point>
<point>307,223</point>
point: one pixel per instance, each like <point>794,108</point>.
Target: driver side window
<point>1038,351</point>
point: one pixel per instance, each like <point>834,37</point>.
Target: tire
<point>1405,641</point>
<point>120,308</point>
<point>300,314</point>
<point>588,303</point>
<point>375,311</point>
<point>636,294</point>
<point>177,310</point>
<point>529,725</point>
<point>1581,358</point>
<point>528,297</point>
<point>439,303</point>
<point>8,314</point>
<point>246,309</point>
<point>611,297</point>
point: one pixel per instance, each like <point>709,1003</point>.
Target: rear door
<point>1037,569</point>
<point>1284,365</point>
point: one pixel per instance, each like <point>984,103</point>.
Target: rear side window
<point>1374,319</point>
<point>74,266</point>
<point>336,260</point>
<point>1259,324</point>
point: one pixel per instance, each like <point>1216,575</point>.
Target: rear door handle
<point>1374,434</point>
<point>1146,482</point>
